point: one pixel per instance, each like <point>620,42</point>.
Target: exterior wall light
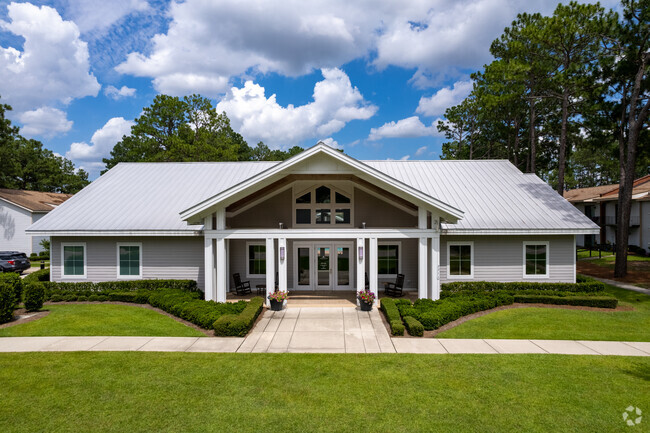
<point>360,253</point>
<point>282,252</point>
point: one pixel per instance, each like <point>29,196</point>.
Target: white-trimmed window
<point>73,260</point>
<point>322,206</point>
<point>255,260</point>
<point>460,260</point>
<point>389,258</point>
<point>536,259</point>
<point>129,260</point>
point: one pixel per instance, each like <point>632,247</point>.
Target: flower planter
<point>365,306</point>
<point>276,305</point>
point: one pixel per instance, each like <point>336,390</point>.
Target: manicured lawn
<point>37,263</point>
<point>561,324</point>
<point>609,261</point>
<point>101,319</point>
<point>171,392</point>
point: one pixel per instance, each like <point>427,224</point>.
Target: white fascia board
<point>114,232</point>
<point>320,234</point>
<point>506,232</point>
<point>449,212</point>
<point>16,204</point>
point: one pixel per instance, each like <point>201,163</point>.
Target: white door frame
<point>313,265</point>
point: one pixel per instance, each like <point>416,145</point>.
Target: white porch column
<point>361,263</point>
<point>423,269</point>
<point>435,264</point>
<point>372,266</point>
<point>282,264</point>
<point>221,283</point>
<point>208,262</point>
<point>270,266</point>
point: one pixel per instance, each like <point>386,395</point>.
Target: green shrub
<point>397,327</point>
<point>413,326</point>
<point>82,298</point>
<point>40,275</point>
<point>239,325</point>
<point>16,284</point>
<point>106,287</point>
<point>7,301</point>
<point>475,287</point>
<point>585,301</point>
<point>34,296</point>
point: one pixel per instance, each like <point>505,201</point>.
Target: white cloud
<point>405,128</point>
<point>89,156</point>
<point>332,143</point>
<point>256,117</point>
<point>115,93</point>
<point>99,15</point>
<point>405,158</point>
<point>44,121</point>
<point>421,151</point>
<point>444,98</point>
<point>53,65</point>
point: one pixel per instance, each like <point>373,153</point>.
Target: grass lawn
<point>560,324</point>
<point>37,263</point>
<point>101,319</point>
<point>171,392</point>
<point>609,261</point>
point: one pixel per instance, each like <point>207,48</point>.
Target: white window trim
<point>313,206</point>
<point>128,244</point>
<point>248,244</point>
<point>399,258</point>
<point>471,270</point>
<point>548,262</point>
<point>74,244</point>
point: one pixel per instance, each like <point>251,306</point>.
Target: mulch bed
<point>430,334</point>
<point>637,272</point>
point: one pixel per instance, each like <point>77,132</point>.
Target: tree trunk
<point>533,138</point>
<point>516,150</point>
<point>562,153</point>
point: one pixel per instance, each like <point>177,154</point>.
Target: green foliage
<point>88,288</point>
<point>7,301</point>
<point>174,129</point>
<point>26,164</point>
<point>389,308</point>
<point>475,287</point>
<point>397,327</point>
<point>45,243</point>
<point>239,325</point>
<point>414,328</point>
<point>16,284</point>
<point>40,275</point>
<point>34,296</point>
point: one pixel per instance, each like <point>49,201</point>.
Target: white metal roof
<point>493,194</point>
<point>148,197</point>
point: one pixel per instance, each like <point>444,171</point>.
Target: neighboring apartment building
<point>600,204</point>
<point>20,209</point>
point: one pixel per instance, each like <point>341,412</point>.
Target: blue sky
<point>371,77</point>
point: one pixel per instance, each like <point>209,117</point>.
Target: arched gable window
<point>322,206</point>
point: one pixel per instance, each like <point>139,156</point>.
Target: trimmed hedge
<point>188,306</point>
<point>239,325</point>
<point>413,326</point>
<point>34,295</point>
<point>16,283</point>
<point>585,301</point>
<point>7,301</point>
<point>40,275</point>
<point>475,287</point>
<point>393,316</point>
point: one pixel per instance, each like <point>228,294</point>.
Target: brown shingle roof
<point>605,192</point>
<point>36,201</point>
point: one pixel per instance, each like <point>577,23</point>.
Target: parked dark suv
<point>13,261</point>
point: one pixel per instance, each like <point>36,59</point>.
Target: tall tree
<point>626,68</point>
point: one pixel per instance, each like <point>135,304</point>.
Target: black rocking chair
<point>241,287</point>
<point>395,289</point>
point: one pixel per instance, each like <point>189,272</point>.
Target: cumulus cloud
<point>89,156</point>
<point>256,117</point>
<point>93,15</point>
<point>421,151</point>
<point>44,121</point>
<point>332,143</point>
<point>444,98</point>
<point>406,128</point>
<point>53,65</point>
<point>115,93</point>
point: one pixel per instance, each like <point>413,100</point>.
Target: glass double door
<point>323,265</point>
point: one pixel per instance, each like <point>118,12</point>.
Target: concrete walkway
<point>621,285</point>
<point>256,342</point>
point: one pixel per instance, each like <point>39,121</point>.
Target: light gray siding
<point>376,212</point>
<point>36,240</point>
<point>164,258</point>
<point>501,258</point>
<point>268,213</point>
<point>13,223</point>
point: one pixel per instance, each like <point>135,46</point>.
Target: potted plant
<point>366,299</point>
<point>277,300</point>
